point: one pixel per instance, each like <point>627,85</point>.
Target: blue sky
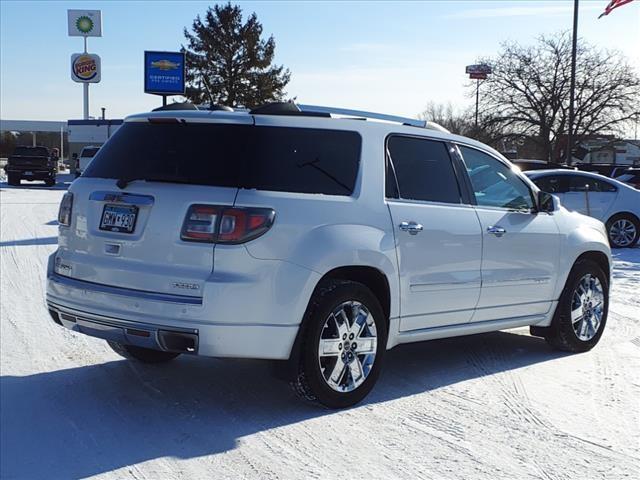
<point>380,56</point>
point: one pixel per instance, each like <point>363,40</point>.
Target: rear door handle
<point>412,227</point>
<point>496,230</point>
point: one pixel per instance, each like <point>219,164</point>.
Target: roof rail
<point>362,114</point>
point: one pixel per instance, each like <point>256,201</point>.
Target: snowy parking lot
<point>500,405</point>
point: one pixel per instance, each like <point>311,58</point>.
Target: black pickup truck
<point>31,163</point>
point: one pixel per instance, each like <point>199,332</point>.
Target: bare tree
<point>528,93</point>
<point>461,122</point>
<point>446,115</point>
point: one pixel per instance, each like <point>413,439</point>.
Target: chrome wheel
<point>622,232</point>
<point>587,307</point>
<point>348,346</point>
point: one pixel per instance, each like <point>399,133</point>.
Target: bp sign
<point>164,73</point>
<point>84,23</point>
<point>85,68</point>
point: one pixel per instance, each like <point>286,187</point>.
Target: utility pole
<point>572,88</point>
<point>477,99</point>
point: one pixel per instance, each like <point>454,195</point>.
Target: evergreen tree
<point>228,63</point>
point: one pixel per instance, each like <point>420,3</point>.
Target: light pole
<point>572,88</point>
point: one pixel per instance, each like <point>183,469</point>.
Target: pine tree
<point>228,63</point>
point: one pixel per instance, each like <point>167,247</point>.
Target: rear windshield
<point>89,152</point>
<point>31,151</point>
<point>265,158</point>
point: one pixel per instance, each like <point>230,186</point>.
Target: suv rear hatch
<point>130,204</point>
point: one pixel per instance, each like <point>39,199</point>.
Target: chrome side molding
<point>126,292</point>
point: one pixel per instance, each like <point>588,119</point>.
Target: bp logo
<point>84,24</point>
<point>85,67</point>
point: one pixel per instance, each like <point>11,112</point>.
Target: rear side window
<point>298,160</point>
<point>582,183</point>
<point>423,170</point>
<point>302,160</point>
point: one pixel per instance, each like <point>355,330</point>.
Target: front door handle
<point>412,227</point>
<point>496,230</point>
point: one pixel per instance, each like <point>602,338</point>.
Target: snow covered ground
<point>493,406</point>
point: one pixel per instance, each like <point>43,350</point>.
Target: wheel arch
<point>599,258</point>
<point>625,212</point>
<point>371,277</point>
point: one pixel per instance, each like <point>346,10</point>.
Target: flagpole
<point>572,88</point>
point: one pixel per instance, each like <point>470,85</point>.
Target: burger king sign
<point>85,68</point>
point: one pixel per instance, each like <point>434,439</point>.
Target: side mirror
<point>546,202</point>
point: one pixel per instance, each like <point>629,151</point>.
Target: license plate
<point>119,218</point>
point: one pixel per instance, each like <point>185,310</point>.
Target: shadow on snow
<point>89,420</point>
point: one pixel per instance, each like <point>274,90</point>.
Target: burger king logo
<point>85,67</point>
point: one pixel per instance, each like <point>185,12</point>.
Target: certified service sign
<point>85,68</point>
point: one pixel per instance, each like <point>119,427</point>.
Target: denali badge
<point>186,286</point>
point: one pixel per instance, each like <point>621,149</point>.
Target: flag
<point>613,4</point>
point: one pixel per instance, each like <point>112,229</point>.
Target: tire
<point>314,380</point>
<point>13,179</point>
<point>50,182</point>
<point>623,230</point>
<point>144,355</point>
<point>586,294</point>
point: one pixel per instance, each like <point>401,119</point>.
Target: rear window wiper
<point>314,163</point>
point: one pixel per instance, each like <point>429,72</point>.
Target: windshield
<point>89,152</point>
<point>266,158</point>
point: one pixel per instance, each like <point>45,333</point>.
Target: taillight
<point>229,225</point>
<point>66,206</point>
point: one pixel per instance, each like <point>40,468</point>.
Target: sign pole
<point>85,91</point>
<point>572,88</point>
<point>477,98</point>
<point>85,68</point>
<point>164,100</point>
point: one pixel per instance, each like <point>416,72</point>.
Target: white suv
<point>289,234</point>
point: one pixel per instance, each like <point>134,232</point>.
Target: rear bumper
<point>35,172</point>
<point>145,319</point>
<point>127,332</point>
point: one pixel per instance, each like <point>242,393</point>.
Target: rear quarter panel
<point>324,232</point>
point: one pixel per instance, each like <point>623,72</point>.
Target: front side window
<point>494,183</point>
<point>423,170</point>
<point>553,183</point>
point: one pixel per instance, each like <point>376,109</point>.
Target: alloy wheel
<point>622,232</point>
<point>587,307</point>
<point>347,347</point>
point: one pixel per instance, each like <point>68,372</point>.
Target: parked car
<point>606,169</point>
<point>286,234</point>
<point>630,176</point>
<point>609,200</point>
<point>528,164</point>
<point>86,155</point>
<point>31,163</point>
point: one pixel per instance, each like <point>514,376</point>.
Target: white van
<point>86,156</point>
